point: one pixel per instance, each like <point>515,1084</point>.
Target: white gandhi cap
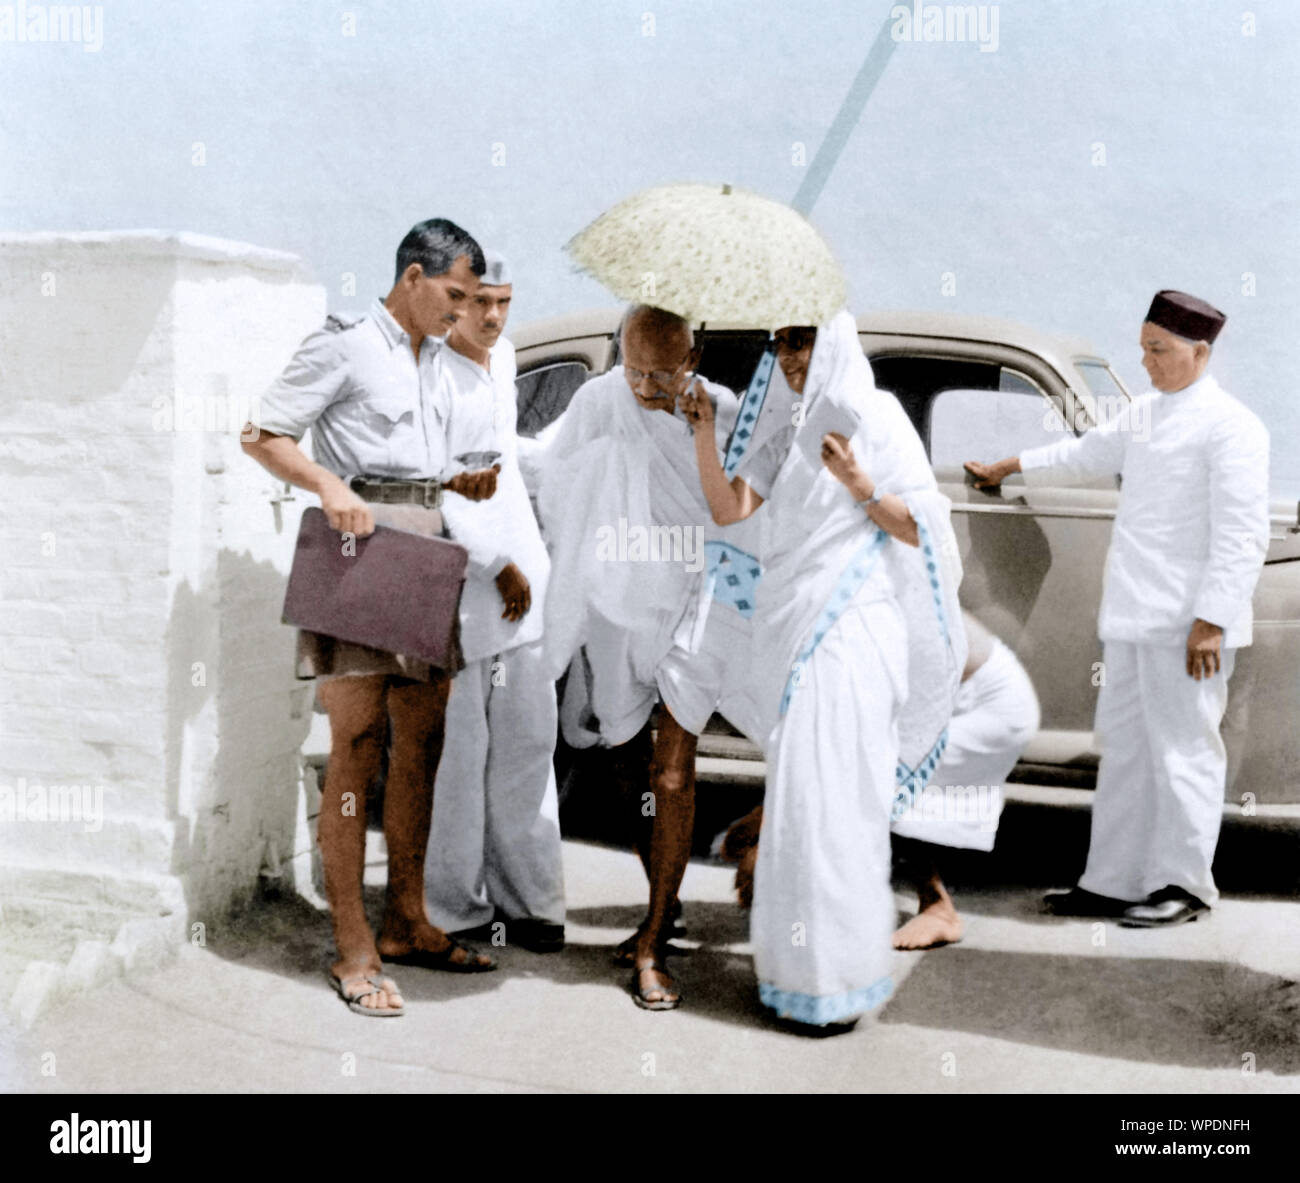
<point>497,271</point>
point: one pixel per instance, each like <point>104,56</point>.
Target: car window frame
<point>1019,373</point>
<point>1053,385</point>
<point>549,363</point>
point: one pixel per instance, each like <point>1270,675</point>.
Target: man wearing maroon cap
<point>1189,541</point>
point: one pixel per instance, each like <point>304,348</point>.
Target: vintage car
<point>981,389</point>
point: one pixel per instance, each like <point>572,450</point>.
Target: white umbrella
<point>713,253</point>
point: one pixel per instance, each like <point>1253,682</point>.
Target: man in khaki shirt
<point>368,391</point>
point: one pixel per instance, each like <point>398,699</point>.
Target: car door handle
<point>1030,511</point>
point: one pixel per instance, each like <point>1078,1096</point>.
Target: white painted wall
<point>143,575</point>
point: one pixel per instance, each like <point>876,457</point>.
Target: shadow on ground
<point>1199,1014</point>
<point>286,935</point>
<point>1047,845</point>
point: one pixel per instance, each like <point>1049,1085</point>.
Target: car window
<point>916,380</point>
<point>730,357</point>
<point>968,408</point>
<point>542,394</point>
<point>1108,395</point>
<point>987,425</point>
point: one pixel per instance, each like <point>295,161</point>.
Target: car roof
<point>1059,349</point>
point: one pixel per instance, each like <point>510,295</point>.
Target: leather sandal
<point>376,982</point>
<point>639,992</point>
<point>442,959</point>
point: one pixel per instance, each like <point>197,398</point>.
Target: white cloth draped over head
<point>615,477</point>
<point>819,548</point>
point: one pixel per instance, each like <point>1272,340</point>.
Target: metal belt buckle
<point>432,489</point>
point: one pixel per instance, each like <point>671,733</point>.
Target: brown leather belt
<point>427,493</point>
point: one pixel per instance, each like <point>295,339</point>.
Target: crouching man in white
<point>995,715</point>
<point>1189,542</point>
<point>496,854</point>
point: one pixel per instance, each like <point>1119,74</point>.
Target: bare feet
<point>740,846</point>
<point>937,923</point>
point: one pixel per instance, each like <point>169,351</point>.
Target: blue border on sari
<point>751,407</point>
<point>932,569</point>
<point>819,1009</point>
<point>910,780</point>
<point>736,587</point>
<point>851,579</point>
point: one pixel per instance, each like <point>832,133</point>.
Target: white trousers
<point>1159,798</point>
<point>995,715</point>
<point>495,838</point>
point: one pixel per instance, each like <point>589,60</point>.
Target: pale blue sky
<point>980,164</point>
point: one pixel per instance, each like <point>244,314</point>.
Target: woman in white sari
<point>858,652</point>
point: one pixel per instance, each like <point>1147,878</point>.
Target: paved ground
<point>1025,1002</point>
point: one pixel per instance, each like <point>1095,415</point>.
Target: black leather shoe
<point>484,933</point>
<point>1078,902</point>
<point>1169,906</point>
<point>537,936</point>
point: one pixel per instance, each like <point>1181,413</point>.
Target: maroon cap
<point>1186,316</point>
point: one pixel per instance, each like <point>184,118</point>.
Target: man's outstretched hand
<point>990,476</point>
<point>515,592</point>
<point>477,486</point>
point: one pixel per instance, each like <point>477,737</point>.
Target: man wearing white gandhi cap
<point>1189,541</point>
<point>494,868</point>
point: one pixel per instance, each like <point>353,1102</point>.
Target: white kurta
<point>633,543</point>
<point>495,838</point>
<point>1189,541</point>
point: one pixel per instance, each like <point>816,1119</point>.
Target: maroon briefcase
<point>394,590</point>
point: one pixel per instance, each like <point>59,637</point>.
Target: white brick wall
<point>133,553</point>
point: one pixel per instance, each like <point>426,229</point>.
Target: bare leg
<point>672,783</point>
<point>630,763</point>
<point>417,711</point>
<point>357,727</point>
<point>740,846</point>
<point>630,768</point>
<point>936,921</point>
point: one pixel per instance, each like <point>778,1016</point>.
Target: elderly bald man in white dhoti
<point>646,592</point>
<point>1189,541</point>
<point>495,855</point>
<point>858,652</point>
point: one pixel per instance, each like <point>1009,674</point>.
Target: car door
<point>1033,556</point>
